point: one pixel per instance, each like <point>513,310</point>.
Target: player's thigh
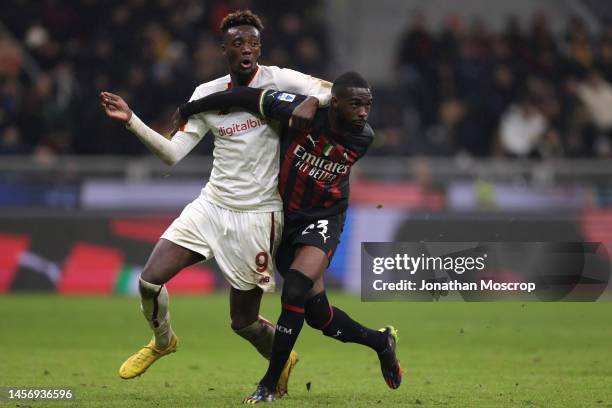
<point>166,260</point>
<point>310,260</point>
<point>194,228</point>
<point>314,244</point>
<point>244,306</point>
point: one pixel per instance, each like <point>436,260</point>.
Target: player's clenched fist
<point>303,114</point>
<point>115,107</point>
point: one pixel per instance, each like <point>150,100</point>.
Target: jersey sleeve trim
<point>262,98</point>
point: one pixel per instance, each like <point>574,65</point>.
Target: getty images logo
<point>283,329</point>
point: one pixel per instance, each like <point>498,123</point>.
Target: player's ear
<point>334,102</point>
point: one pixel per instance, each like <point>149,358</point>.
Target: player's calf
<point>335,323</point>
<point>289,324</point>
<point>154,306</point>
<point>260,334</point>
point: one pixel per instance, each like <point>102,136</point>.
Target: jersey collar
<point>253,74</point>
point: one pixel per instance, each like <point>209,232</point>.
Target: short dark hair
<point>349,80</point>
<point>239,18</point>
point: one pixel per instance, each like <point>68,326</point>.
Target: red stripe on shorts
<point>272,235</point>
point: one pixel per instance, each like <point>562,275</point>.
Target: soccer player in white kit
<point>238,216</point>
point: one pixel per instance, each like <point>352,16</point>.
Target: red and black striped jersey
<point>315,166</point>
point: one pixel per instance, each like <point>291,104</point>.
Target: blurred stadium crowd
<point>460,89</point>
<point>521,92</point>
<point>154,53</point>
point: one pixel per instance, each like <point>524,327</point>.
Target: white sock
<point>260,334</point>
<point>154,306</point>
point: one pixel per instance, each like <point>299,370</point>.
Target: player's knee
<point>317,311</point>
<point>239,320</point>
<point>148,290</point>
<point>239,323</point>
<point>151,276</point>
<point>295,288</point>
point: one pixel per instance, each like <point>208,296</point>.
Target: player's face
<point>241,48</point>
<point>352,107</point>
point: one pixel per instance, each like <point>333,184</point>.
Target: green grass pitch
<point>455,354</point>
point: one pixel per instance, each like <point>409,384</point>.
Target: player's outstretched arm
<point>168,151</point>
<point>275,105</point>
<point>241,97</point>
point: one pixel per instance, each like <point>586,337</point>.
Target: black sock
<point>289,325</point>
<point>335,323</point>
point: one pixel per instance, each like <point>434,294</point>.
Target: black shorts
<point>322,233</point>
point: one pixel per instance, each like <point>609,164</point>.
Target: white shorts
<point>244,243</point>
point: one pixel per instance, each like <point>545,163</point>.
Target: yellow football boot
<point>138,363</point>
<point>283,381</point>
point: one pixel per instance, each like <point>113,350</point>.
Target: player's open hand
<point>177,122</point>
<point>302,116</point>
<point>115,107</point>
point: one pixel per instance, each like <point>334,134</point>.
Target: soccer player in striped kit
<point>314,183</point>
